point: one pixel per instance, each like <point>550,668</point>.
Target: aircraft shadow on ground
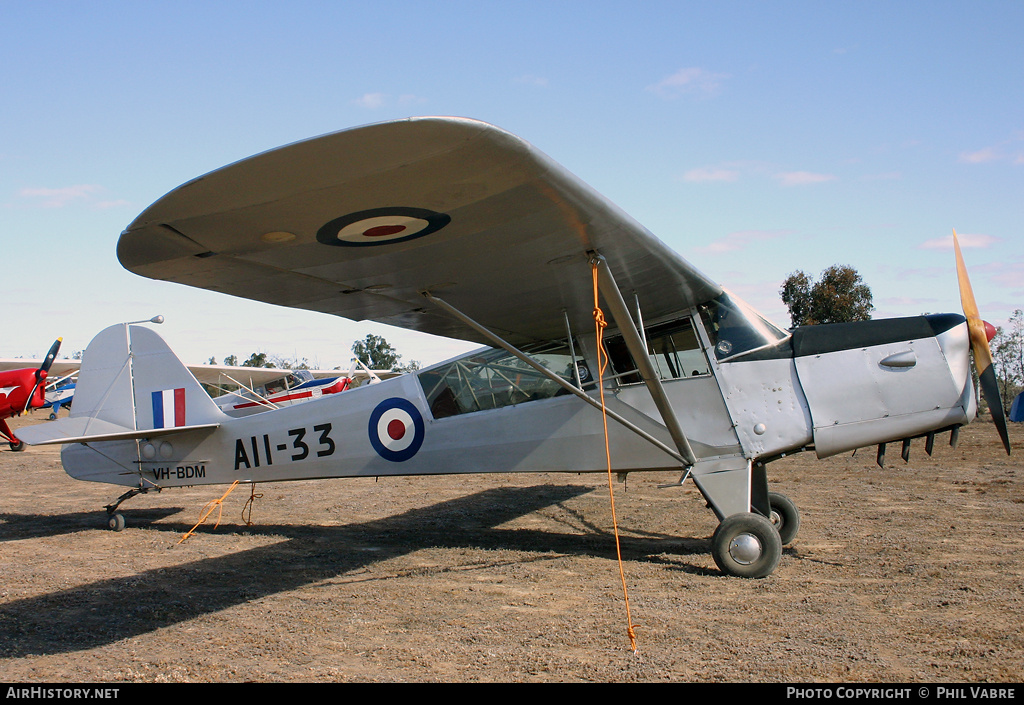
<point>106,611</point>
<point>18,527</point>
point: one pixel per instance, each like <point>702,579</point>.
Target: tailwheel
<point>784,516</point>
<point>115,520</point>
<point>746,545</point>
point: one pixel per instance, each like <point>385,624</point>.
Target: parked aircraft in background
<point>59,395</point>
<point>244,390</point>
<point>23,389</point>
<point>457,228</point>
<point>275,391</point>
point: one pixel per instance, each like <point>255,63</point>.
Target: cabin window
<point>674,350</point>
<point>492,378</point>
<point>734,328</point>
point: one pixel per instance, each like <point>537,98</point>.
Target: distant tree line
<point>373,351</point>
<point>1008,358</point>
<point>262,359</point>
<point>840,296</point>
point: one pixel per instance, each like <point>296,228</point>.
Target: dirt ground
<point>911,573</point>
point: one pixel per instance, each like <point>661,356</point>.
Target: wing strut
<point>637,348</point>
<point>508,347</point>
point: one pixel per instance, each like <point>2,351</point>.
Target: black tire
<point>17,446</point>
<point>785,517</point>
<point>115,522</point>
<point>747,546</point>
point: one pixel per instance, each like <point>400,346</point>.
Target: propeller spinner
<point>979,346</point>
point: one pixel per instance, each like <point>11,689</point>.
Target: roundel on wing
<point>381,226</point>
<point>396,429</point>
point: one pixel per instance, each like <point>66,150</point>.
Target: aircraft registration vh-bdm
<point>457,228</point>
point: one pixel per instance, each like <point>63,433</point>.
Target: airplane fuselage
<point>866,386</point>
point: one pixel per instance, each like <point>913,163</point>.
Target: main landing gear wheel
<point>746,545</point>
<point>20,445</point>
<point>785,516</point>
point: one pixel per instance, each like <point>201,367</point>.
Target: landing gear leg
<point>13,441</point>
<point>115,520</point>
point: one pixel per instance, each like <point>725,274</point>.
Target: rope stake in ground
<point>208,510</point>
<point>602,364</point>
<point>249,503</point>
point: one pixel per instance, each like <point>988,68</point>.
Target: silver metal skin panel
<point>767,405</point>
<point>879,393</point>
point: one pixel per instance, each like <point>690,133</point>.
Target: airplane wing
<point>358,223</point>
<point>59,367</point>
<point>256,376</point>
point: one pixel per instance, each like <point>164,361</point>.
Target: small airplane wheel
<point>746,545</point>
<point>20,445</point>
<point>115,522</point>
<point>53,416</point>
<point>785,516</point>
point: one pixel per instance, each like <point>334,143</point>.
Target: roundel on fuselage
<point>396,429</point>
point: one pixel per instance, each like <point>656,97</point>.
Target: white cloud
<point>966,240</point>
<point>802,178</point>
<point>60,197</point>
<point>371,100</point>
<point>988,154</point>
<point>1010,275</point>
<point>740,239</point>
<point>1005,151</point>
<point>689,81</point>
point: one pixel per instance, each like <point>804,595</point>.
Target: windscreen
<point>734,328</point>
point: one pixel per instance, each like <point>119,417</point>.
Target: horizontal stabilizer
<point>84,430</point>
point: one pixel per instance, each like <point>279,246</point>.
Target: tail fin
<point>130,385</point>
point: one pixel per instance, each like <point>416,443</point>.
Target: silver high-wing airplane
<point>457,228</point>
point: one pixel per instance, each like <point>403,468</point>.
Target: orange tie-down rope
<point>208,510</point>
<point>602,363</point>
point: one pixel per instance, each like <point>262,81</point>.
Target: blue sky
<point>754,138</point>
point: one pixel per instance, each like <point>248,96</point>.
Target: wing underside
<point>359,223</point>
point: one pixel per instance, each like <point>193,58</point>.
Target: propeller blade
<point>51,356</point>
<point>43,369</point>
<point>980,347</point>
